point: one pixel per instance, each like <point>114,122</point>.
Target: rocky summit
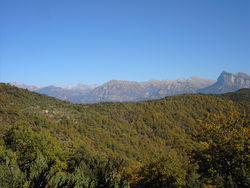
<point>120,90</point>
<point>228,82</point>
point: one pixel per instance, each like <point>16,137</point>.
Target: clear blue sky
<point>62,42</point>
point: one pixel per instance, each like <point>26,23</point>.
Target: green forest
<point>189,140</point>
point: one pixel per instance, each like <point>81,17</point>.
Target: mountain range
<point>118,90</point>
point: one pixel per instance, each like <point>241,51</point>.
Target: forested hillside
<point>190,140</point>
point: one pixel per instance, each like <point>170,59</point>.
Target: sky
<point>64,42</point>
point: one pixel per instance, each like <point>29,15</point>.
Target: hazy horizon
<point>74,84</point>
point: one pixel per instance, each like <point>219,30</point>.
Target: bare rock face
<point>118,90</point>
<point>179,86</point>
<point>228,82</point>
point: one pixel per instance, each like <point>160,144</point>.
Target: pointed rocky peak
<point>225,72</point>
<point>224,75</point>
<point>229,78</point>
<point>228,82</point>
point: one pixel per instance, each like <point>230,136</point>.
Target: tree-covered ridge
<point>167,142</point>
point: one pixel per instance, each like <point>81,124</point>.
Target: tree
<point>10,173</point>
<point>224,159</point>
<point>39,155</point>
<point>168,171</point>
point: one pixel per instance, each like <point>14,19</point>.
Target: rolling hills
<point>156,143</point>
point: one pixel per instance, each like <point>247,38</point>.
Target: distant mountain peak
<point>223,75</point>
<point>243,75</point>
<point>228,82</point>
<point>123,90</point>
<point>81,86</point>
<point>239,74</point>
<point>225,72</point>
<point>24,86</point>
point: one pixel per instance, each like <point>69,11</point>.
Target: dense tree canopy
<point>191,140</point>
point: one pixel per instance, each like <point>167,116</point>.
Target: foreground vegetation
<point>191,140</point>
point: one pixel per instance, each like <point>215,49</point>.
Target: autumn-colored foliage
<point>191,140</point>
